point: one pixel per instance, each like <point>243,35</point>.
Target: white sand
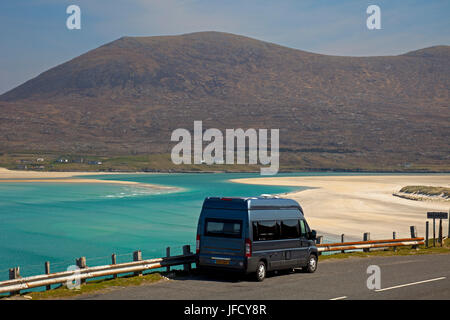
<point>16,174</point>
<point>356,204</point>
<point>65,177</point>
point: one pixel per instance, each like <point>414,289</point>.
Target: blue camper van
<point>254,235</point>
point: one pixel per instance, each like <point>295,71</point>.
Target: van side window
<point>266,230</point>
<point>290,229</point>
<point>308,230</point>
<point>255,231</point>
<point>303,228</point>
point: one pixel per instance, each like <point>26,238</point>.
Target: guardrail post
<point>434,232</point>
<point>427,225</point>
<point>440,232</point>
<point>47,271</point>
<point>394,235</point>
<point>319,239</point>
<point>114,261</point>
<point>137,256</point>
<point>168,255</point>
<point>186,251</point>
<point>448,225</point>
<point>342,240</point>
<point>413,230</point>
<point>14,273</point>
<point>81,263</point>
<point>366,237</point>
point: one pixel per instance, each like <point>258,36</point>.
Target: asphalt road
<point>402,277</point>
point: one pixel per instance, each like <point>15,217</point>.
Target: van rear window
<point>223,228</point>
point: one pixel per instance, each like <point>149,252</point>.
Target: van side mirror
<point>313,235</point>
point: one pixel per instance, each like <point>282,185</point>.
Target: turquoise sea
<point>59,222</point>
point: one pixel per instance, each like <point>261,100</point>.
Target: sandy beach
<point>17,174</point>
<point>355,204</point>
<point>65,177</point>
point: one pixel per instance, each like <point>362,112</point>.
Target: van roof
<point>252,203</point>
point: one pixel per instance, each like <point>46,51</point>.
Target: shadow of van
<point>227,276</point>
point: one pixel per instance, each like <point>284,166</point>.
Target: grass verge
<point>93,286</point>
<point>427,191</point>
<point>401,251</point>
<point>306,160</point>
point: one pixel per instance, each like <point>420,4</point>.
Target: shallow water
<point>58,222</point>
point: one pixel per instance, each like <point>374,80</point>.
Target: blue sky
<point>34,36</point>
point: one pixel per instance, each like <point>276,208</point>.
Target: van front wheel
<point>261,271</point>
<point>312,264</point>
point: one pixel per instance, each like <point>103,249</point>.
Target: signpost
<point>440,216</point>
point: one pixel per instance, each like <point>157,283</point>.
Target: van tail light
<point>197,244</point>
<point>248,248</point>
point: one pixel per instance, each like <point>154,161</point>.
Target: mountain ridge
<point>128,95</point>
<point>193,39</point>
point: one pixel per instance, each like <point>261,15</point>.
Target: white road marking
<point>339,298</point>
<point>410,284</point>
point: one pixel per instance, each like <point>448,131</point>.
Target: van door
<point>291,236</point>
<point>303,257</point>
<point>266,244</point>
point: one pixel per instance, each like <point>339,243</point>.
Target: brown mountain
<point>128,95</point>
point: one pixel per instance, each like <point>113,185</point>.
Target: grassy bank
<point>401,251</point>
<point>427,191</point>
<point>94,286</point>
<point>289,161</point>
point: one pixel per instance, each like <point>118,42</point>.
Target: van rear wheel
<point>261,271</point>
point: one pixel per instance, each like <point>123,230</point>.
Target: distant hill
<point>128,95</point>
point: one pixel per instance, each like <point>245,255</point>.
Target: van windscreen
<point>223,228</point>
